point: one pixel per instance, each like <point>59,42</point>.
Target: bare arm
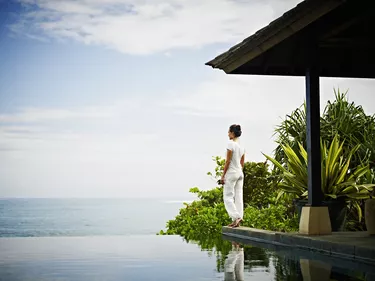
<point>227,162</point>
<point>242,160</point>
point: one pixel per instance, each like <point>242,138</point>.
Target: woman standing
<point>232,177</point>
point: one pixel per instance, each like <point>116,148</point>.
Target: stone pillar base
<point>315,271</point>
<point>315,221</point>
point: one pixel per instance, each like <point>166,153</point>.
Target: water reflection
<point>239,260</point>
<point>167,258</point>
<point>290,264</point>
<point>234,264</point>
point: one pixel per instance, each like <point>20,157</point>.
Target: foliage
<point>351,124</point>
<point>337,180</point>
<point>209,197</point>
<point>206,215</point>
<point>341,118</point>
<point>274,218</point>
<point>258,189</point>
<point>198,217</point>
<point>291,132</point>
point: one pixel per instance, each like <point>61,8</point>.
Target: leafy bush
<point>274,218</point>
<point>340,117</point>
<point>351,124</point>
<point>337,180</point>
<point>206,215</point>
<point>259,189</point>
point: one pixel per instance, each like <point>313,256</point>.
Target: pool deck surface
<point>357,246</point>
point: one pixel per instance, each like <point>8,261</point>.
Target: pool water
<point>151,257</point>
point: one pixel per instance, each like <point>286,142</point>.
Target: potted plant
<point>339,184</point>
<point>370,214</point>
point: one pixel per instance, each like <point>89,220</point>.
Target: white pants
<point>233,194</point>
<point>234,266</point>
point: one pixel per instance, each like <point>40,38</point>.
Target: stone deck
<point>357,246</point>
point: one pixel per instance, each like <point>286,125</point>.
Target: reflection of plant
<point>215,245</point>
<point>286,268</point>
<point>255,257</point>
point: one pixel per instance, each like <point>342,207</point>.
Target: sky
<point>111,98</point>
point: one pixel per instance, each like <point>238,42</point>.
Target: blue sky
<point>110,98</point>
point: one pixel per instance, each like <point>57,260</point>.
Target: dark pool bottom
<point>164,258</point>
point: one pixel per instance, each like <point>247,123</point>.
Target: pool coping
<point>322,244</point>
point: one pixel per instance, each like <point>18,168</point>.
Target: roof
<point>284,27</point>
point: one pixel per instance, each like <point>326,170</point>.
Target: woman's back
<point>237,152</point>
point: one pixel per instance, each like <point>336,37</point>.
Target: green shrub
<point>274,218</point>
<point>204,217</point>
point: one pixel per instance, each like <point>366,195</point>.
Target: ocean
<point>115,239</point>
<point>85,217</point>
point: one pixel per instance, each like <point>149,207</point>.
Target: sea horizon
<point>40,217</point>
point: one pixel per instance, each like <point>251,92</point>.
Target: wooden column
<point>315,218</point>
<point>313,135</point>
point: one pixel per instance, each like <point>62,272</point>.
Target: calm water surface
<point>102,240</point>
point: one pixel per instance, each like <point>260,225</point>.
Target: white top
<point>237,152</point>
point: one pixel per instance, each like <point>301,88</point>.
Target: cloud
<point>244,97</point>
<point>45,114</point>
<point>261,97</point>
<point>43,140</point>
<point>41,114</point>
<point>84,127</point>
<point>147,26</point>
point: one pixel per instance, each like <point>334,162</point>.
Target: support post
<point>313,137</point>
<point>315,218</point>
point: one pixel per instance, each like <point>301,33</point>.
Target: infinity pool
<point>151,257</point>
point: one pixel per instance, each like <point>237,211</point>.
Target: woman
<point>232,177</point>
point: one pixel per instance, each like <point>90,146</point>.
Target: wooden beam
<point>333,31</point>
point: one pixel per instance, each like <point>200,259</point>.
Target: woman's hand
<point>222,180</point>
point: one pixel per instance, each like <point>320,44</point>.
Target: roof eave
<point>271,36</point>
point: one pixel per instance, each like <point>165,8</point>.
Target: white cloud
<point>161,158</point>
<point>148,26</point>
<point>26,115</point>
<point>262,98</point>
<point>245,97</point>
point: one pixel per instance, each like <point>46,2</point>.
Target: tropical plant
<point>340,117</point>
<point>337,180</point>
<point>352,124</point>
<point>291,131</point>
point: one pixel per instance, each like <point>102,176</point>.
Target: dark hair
<point>236,130</point>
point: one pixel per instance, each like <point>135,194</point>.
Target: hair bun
<point>236,129</point>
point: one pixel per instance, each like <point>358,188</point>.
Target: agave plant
<point>338,181</point>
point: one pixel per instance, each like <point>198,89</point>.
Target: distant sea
<point>85,217</point>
